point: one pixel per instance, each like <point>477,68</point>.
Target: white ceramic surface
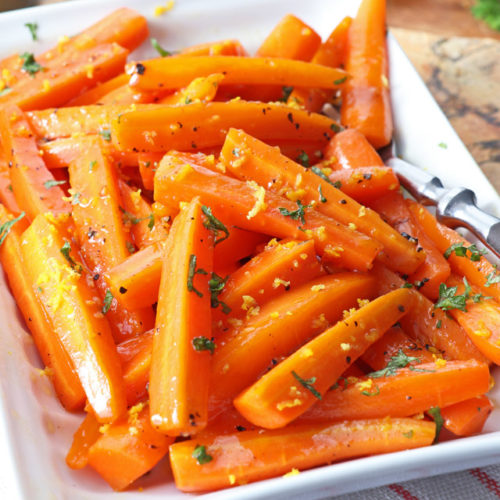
<point>35,432</point>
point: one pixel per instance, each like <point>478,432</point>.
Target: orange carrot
<point>7,198</point>
<point>148,163</point>
<point>94,95</point>
<point>293,386</point>
<point>480,273</point>
<point>33,185</point>
<point>61,82</point>
<point>274,453</point>
<point>127,95</point>
<point>428,325</point>
<point>251,207</point>
<point>248,158</point>
<point>350,149</point>
<point>281,326</point>
<point>54,357</point>
<point>467,417</point>
<point>128,449</point>
<point>365,100</point>
<point>76,318</point>
<point>197,125</point>
<point>202,89</point>
<point>220,48</point>
<point>403,392</point>
<point>100,231</point>
<point>85,436</point>
<point>183,345</point>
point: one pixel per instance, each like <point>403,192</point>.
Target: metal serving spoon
<point>455,207</point>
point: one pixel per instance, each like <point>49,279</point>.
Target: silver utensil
<point>455,207</point>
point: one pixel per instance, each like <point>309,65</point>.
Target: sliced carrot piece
<point>293,386</point>
<point>251,207</point>
<point>274,453</point>
<point>33,185</point>
<point>93,95</point>
<point>203,88</point>
<point>407,392</point>
<point>7,198</point>
<point>77,320</point>
<point>148,163</point>
<point>220,48</point>
<point>183,345</point>
<point>365,99</point>
<point>467,417</point>
<point>128,449</point>
<point>281,326</point>
<point>85,436</point>
<point>248,158</point>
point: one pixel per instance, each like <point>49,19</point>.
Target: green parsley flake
<point>321,197</point>
<point>30,65</point>
<point>201,455</point>
<point>435,413</point>
<point>108,299</point>
<point>204,344</point>
<point>367,393</point>
<point>449,300</point>
<point>340,81</point>
<point>308,384</point>
<point>33,28</point>
<point>408,434</point>
<point>106,135</point>
<point>286,91</point>
<point>303,159</point>
<point>151,223</point>
<point>66,250</point>
<point>443,145</point>
<point>216,285</point>
<point>5,91</point>
<point>215,225</point>
<point>93,163</point>
<point>163,52</point>
<point>7,226</point>
<point>492,279</point>
<point>192,271</point>
<point>400,360</point>
<point>319,173</point>
<point>461,251</point>
<point>52,183</point>
<point>298,214</point>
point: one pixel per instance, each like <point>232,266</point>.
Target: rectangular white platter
<point>35,433</point>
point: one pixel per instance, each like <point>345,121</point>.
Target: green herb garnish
<point>308,384</point>
<point>488,11</point>
<point>65,250</point>
<point>400,360</point>
<point>163,52</point>
<point>5,91</point>
<point>201,455</point>
<point>108,299</point>
<point>408,434</point>
<point>303,159</point>
<point>286,91</point>
<point>30,65</point>
<point>340,80</point>
<point>368,393</point>
<point>105,134</point>
<point>449,300</point>
<point>192,271</point>
<point>435,413</point>
<point>33,28</point>
<point>298,214</point>
<point>321,197</point>
<point>461,251</point>
<point>204,344</point>
<point>492,278</point>
<point>7,226</point>
<point>52,183</point>
<point>319,173</point>
<point>215,285</point>
<point>215,225</point>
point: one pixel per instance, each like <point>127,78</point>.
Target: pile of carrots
<point>212,268</point>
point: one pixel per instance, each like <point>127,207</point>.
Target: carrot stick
<point>183,345</point>
<point>100,231</point>
<point>281,326</point>
<point>365,100</point>
<point>33,185</point>
<point>148,164</point>
<point>93,95</point>
<point>434,270</point>
<point>161,128</point>
<point>7,198</point>
<point>127,95</point>
<point>276,452</point>
<point>467,417</point>
<point>202,89</point>
<point>220,48</point>
<point>76,318</point>
<point>480,273</point>
<point>128,449</point>
<point>428,325</point>
<point>480,318</point>
<point>61,82</point>
<point>54,357</point>
<point>407,392</point>
<point>85,436</point>
<point>249,206</point>
<point>248,158</point>
<point>293,386</point>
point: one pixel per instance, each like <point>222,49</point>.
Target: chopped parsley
<point>151,223</point>
<point>439,324</point>
<point>108,299</point>
<point>319,173</point>
<point>30,65</point>
<point>408,434</point>
<point>443,145</point>
<point>188,100</point>
<point>33,28</point>
<point>215,225</point>
<point>130,246</point>
<point>492,278</point>
<point>435,413</point>
<point>163,52</point>
<point>201,455</point>
<point>65,250</point>
<point>298,214</point>
<point>461,251</point>
<point>449,300</point>
<point>236,152</point>
<point>303,159</point>
<point>52,183</point>
<point>286,91</point>
<point>336,127</point>
<point>204,344</point>
<point>215,285</point>
<point>400,360</point>
<point>340,81</point>
<point>192,271</point>
<point>7,226</point>
<point>368,393</point>
<point>321,197</point>
<point>105,134</point>
<point>488,11</point>
<point>92,165</point>
<point>308,384</point>
<point>129,217</point>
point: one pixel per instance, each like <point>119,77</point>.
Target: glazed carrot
<point>434,270</point>
<point>403,393</point>
<point>127,95</point>
<point>281,326</point>
<point>7,198</point>
<point>148,163</point>
<point>60,83</point>
<point>279,268</point>
<point>182,346</point>
<point>365,98</point>
<point>365,184</point>
<point>248,158</point>
<point>251,207</point>
<point>480,273</point>
<point>330,53</point>
<point>100,231</point>
<point>467,417</point>
<point>85,436</point>
<point>428,325</point>
<point>128,449</point>
<point>60,367</point>
<point>32,183</point>
<point>274,453</point>
<point>76,317</point>
<point>156,128</point>
<point>480,317</point>
<point>203,88</point>
<point>93,95</point>
<point>220,48</point>
<point>139,218</point>
<point>350,149</point>
<point>293,386</point>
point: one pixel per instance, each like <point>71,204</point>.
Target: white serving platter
<point>35,432</point>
